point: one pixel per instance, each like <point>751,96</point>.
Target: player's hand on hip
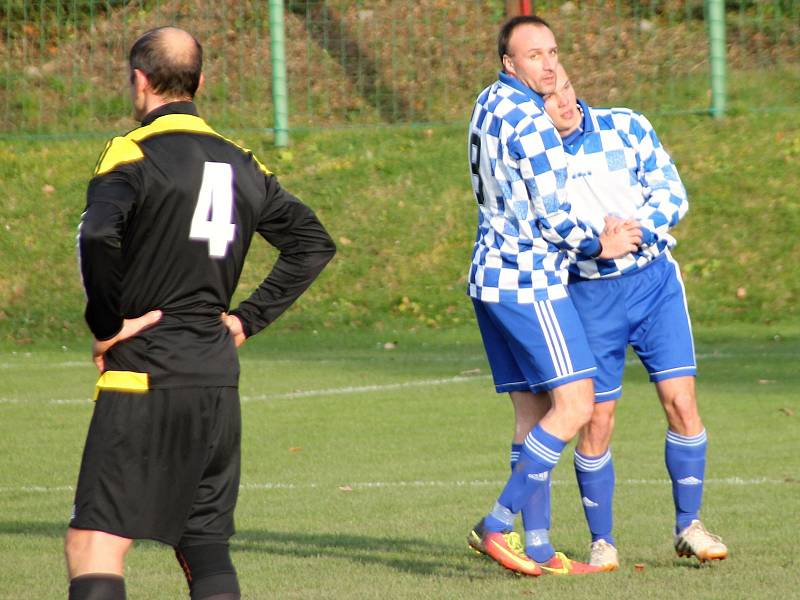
<point>620,237</point>
<point>130,328</point>
<point>234,325</point>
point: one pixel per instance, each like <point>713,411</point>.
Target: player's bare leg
<point>572,405</point>
<point>686,458</point>
<point>677,396</point>
<point>95,562</point>
<point>529,409</point>
<point>595,436</point>
<point>89,551</point>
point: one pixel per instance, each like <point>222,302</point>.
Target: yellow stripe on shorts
<point>122,381</point>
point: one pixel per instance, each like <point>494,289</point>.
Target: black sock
<point>97,587</point>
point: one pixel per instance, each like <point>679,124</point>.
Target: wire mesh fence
<point>63,67</point>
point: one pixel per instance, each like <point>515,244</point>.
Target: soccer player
<point>533,336</point>
<point>617,166</point>
<point>170,214</point>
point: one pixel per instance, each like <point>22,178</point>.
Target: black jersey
<point>170,214</point>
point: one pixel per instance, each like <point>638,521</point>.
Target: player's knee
<point>583,412</point>
<point>78,544</point>
<point>682,413</point>
<point>596,435</point>
<point>73,545</point>
<point>209,571</point>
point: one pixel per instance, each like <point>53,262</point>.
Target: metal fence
<point>63,63</point>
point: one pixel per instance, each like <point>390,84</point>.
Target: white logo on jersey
<point>538,476</point>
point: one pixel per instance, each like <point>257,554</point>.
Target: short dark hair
<point>170,74</point>
<point>508,28</point>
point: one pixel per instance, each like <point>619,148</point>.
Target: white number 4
<point>216,199</point>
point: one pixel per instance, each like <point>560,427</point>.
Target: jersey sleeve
<point>665,199</point>
<point>110,201</point>
<point>304,249</point>
<point>537,148</point>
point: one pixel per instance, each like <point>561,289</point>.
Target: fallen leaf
<point>295,449</point>
<point>787,411</point>
<point>345,241</point>
<point>389,345</point>
<point>345,488</point>
<point>470,372</point>
<point>741,293</point>
<point>48,189</point>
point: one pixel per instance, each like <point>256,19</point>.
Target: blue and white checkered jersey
<point>617,166</point>
<point>519,174</point>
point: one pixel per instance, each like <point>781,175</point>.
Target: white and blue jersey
<point>519,176</point>
<point>617,166</point>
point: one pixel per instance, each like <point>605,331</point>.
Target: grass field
<point>364,467</point>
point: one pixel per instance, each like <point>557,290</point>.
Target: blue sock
<point>530,508</point>
<point>502,516</point>
<point>530,478</point>
<point>515,450</point>
<point>542,450</point>
<point>686,463</point>
<point>595,476</point>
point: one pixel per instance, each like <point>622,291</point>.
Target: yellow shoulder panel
<point>118,151</point>
<point>191,124</point>
<point>125,149</point>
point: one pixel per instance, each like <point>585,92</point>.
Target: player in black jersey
<point>170,214</point>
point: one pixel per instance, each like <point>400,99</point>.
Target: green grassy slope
<point>398,203</point>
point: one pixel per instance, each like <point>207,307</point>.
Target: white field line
<point>361,389</point>
<point>368,485</point>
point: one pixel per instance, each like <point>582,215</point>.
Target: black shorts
<point>162,465</point>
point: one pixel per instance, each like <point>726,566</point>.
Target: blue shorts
<point>646,309</point>
<point>534,347</point>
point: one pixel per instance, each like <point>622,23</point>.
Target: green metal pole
<point>716,41</point>
<point>280,96</point>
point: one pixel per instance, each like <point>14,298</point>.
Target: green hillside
<point>398,202</point>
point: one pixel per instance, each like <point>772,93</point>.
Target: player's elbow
<point>96,234</point>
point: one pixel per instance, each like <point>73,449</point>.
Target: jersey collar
<point>574,140</point>
<point>182,107</point>
<point>588,125</point>
<point>515,83</point>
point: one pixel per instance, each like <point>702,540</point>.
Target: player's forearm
<point>667,206</point>
<point>101,268</point>
<point>289,278</point>
<point>567,233</point>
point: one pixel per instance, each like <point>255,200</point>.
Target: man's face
<point>532,57</point>
<point>562,105</point>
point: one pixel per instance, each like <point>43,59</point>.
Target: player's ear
<point>200,83</point>
<point>508,65</point>
<point>139,80</point>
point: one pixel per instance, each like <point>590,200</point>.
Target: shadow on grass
<point>409,555</point>
<point>34,528</point>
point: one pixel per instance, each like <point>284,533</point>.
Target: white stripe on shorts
<point>559,355</point>
<point>560,334</point>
